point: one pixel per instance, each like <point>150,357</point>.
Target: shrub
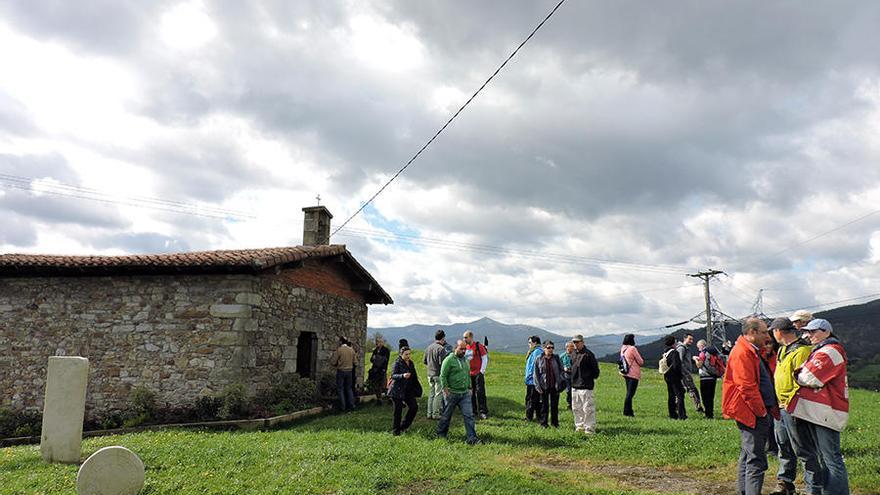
<point>20,423</point>
<point>111,421</point>
<point>143,402</point>
<point>235,402</point>
<point>291,393</point>
<point>208,407</point>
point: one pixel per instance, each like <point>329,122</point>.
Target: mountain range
<point>855,325</point>
<point>501,336</point>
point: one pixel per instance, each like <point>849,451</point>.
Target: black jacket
<point>404,388</point>
<point>584,370</point>
<point>674,361</point>
<point>379,361</point>
<point>542,378</point>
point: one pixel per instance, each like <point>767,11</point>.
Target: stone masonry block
<point>249,298</point>
<point>231,311</point>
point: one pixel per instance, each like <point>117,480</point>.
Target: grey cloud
<point>14,117</point>
<point>102,26</point>
<point>17,231</point>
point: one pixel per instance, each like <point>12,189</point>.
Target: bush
<point>235,402</point>
<point>292,393</point>
<point>208,407</point>
<point>20,423</point>
<point>111,421</point>
<point>143,402</point>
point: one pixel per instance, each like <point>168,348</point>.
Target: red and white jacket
<point>823,397</point>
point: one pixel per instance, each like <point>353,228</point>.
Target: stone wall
<point>180,336</point>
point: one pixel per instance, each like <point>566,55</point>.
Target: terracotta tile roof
<point>228,261</point>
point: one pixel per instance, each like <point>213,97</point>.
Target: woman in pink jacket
<point>630,355</point>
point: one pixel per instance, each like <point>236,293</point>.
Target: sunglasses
<point>550,347</point>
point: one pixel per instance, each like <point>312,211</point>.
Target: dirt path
<point>660,480</point>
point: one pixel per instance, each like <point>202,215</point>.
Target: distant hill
<point>504,337</point>
<point>857,326</point>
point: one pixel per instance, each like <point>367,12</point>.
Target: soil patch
<point>647,478</point>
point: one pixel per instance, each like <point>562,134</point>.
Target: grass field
<point>356,454</point>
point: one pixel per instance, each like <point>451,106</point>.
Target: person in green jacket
<point>455,379</point>
<point>793,444</point>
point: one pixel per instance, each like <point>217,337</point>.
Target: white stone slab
<point>64,407</point>
<point>111,471</point>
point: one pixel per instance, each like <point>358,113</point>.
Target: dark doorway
<point>306,352</point>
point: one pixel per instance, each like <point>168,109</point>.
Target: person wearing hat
<point>822,403</point>
<point>800,318</point>
<point>792,354</point>
<point>584,372</point>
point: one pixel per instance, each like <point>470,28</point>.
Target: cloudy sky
<point>625,146</point>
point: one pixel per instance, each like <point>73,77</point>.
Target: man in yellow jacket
<point>792,354</point>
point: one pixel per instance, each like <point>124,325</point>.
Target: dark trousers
<point>707,391</point>
<point>345,389</point>
<point>549,404</point>
<point>478,386</point>
<point>568,389</point>
<point>752,456</point>
<point>631,385</point>
<point>533,403</point>
<point>675,397</point>
<point>412,407</point>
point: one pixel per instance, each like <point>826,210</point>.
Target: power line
<point>817,236</point>
<point>457,112</point>
<point>599,296</point>
<point>61,189</point>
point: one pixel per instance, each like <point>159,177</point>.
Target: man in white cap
<point>800,318</point>
<point>821,403</point>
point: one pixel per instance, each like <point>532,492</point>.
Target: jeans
<point>835,480</point>
<point>675,397</point>
<point>549,404</point>
<point>583,405</point>
<point>791,448</point>
<point>412,407</point>
<point>435,397</point>
<point>345,390</point>
<point>752,456</point>
<point>478,386</point>
<point>533,403</point>
<point>707,391</point>
<point>463,401</point>
<point>631,386</point>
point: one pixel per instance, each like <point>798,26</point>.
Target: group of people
<point>456,379</point>
<point>787,392</point>
<point>547,375</point>
<point>796,395</point>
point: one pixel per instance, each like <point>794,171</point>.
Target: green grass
<point>356,454</point>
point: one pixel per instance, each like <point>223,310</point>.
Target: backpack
<point>717,363</point>
<point>664,363</point>
<point>622,364</point>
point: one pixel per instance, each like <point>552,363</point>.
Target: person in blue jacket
<point>533,398</point>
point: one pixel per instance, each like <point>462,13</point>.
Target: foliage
<point>355,453</point>
<point>18,423</point>
<point>291,393</point>
<point>143,403</point>
<point>235,402</point>
<point>208,407</point>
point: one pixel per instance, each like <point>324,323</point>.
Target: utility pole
<point>705,276</point>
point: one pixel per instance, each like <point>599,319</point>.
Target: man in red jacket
<point>747,396</point>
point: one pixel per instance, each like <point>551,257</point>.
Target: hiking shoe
<point>783,488</point>
<point>475,441</point>
<point>483,416</point>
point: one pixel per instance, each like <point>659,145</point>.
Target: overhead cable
<point>457,112</point>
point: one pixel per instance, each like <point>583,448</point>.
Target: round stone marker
<point>111,471</point>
